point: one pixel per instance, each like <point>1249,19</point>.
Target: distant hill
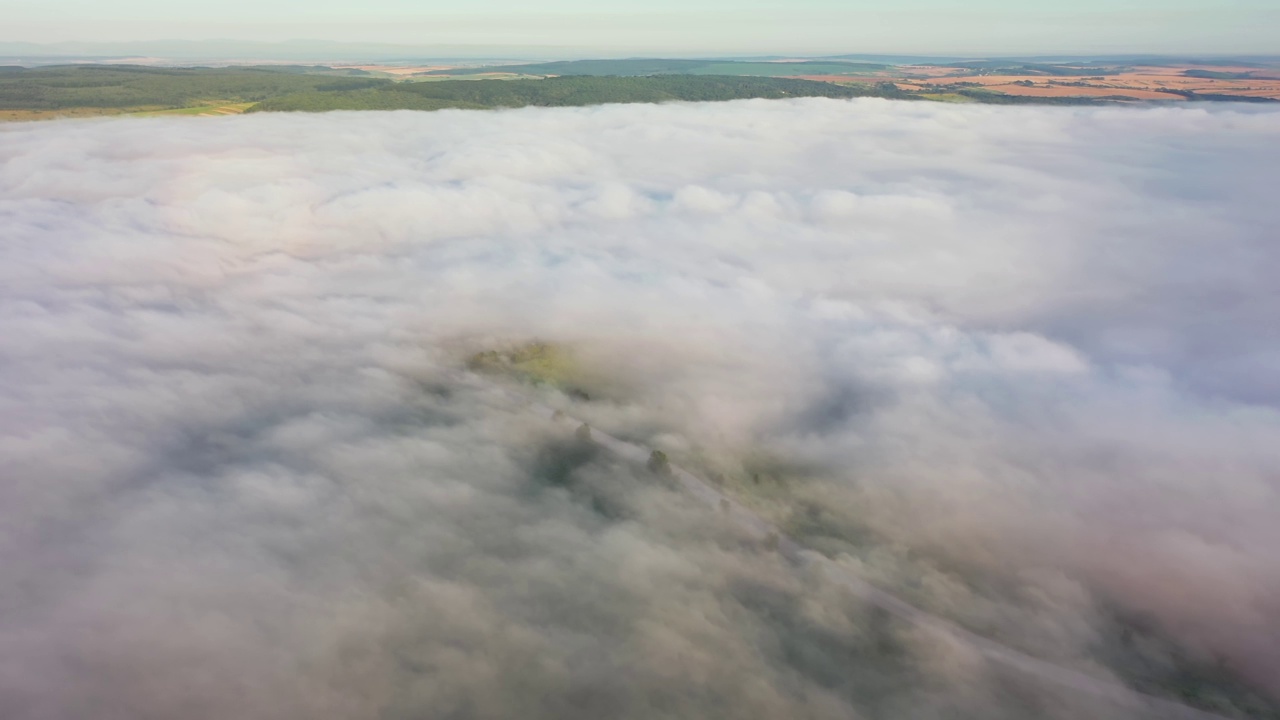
<point>636,66</point>
<point>306,51</point>
<point>658,66</point>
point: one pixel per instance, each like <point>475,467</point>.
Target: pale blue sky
<point>729,26</point>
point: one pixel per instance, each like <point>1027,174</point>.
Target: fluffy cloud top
<point>1021,365</point>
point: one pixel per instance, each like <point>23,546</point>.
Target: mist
<point>1020,366</point>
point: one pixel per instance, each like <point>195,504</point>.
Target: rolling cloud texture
<point>1023,365</point>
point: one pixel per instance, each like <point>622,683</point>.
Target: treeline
<point>571,91</point>
<point>992,67</point>
<point>126,86</point>
<point>1216,97</point>
<point>1216,74</point>
<point>372,99</point>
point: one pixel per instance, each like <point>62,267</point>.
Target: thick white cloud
<point>1023,362</point>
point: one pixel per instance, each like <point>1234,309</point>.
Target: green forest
<point>135,87</point>
<point>117,88</point>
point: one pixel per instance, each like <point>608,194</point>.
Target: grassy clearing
<point>211,110</point>
<point>948,97</point>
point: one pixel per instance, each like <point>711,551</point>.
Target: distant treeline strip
<point>111,89</point>
<point>570,91</point>
<point>658,66</point>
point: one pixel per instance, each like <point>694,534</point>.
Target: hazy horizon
<point>817,27</point>
<point>320,51</point>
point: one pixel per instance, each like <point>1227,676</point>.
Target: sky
<point>1018,365</point>
<point>694,27</point>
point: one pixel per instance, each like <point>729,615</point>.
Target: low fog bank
<point>1020,365</point>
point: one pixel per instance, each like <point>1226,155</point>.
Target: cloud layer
<point>1020,365</point>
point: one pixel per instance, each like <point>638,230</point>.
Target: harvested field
<point>1072,91</point>
<point>211,110</point>
<point>1140,85</point>
<point>992,80</point>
